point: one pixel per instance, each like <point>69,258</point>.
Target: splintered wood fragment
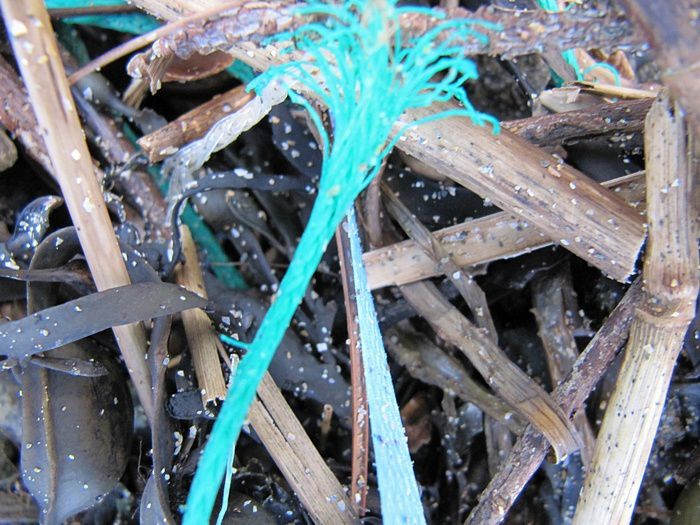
<point>360,421</point>
<point>656,336</point>
<point>479,241</point>
<point>504,376</point>
<point>625,116</point>
<point>573,210</point>
<point>530,449</point>
<point>37,54</point>
<point>297,458</point>
<point>192,125</point>
<point>201,336</point>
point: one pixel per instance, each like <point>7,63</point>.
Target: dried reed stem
<point>201,336</point>
<point>509,381</point>
<point>531,447</point>
<point>360,421</point>
<point>656,336</point>
<point>573,210</point>
<point>474,242</point>
<point>295,455</point>
<point>38,57</point>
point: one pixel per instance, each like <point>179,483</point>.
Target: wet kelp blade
<point>74,320</point>
<point>398,488</point>
<point>357,66</point>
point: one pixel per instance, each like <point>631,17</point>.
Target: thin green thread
<point>370,82</point>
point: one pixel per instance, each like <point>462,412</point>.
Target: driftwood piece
<point>625,116</point>
<point>658,329</point>
<point>200,333</point>
<point>192,125</point>
<point>479,241</point>
<point>673,33</point>
<point>531,448</point>
<point>577,213</point>
<point>38,56</point>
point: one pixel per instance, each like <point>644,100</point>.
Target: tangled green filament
<point>358,63</point>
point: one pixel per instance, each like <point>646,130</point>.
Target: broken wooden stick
<point>656,336</point>
<point>38,57</point>
<point>474,242</point>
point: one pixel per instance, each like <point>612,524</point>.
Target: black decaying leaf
<point>30,228</point>
<point>74,320</point>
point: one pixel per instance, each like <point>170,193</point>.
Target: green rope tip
<point>233,342</point>
<point>355,60</point>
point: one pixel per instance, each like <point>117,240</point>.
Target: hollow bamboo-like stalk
<point>656,335</point>
<point>38,57</point>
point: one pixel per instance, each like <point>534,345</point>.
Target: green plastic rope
<point>362,68</point>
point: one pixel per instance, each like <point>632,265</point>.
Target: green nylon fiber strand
<point>358,63</point>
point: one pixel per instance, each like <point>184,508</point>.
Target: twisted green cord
<point>357,65</point>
